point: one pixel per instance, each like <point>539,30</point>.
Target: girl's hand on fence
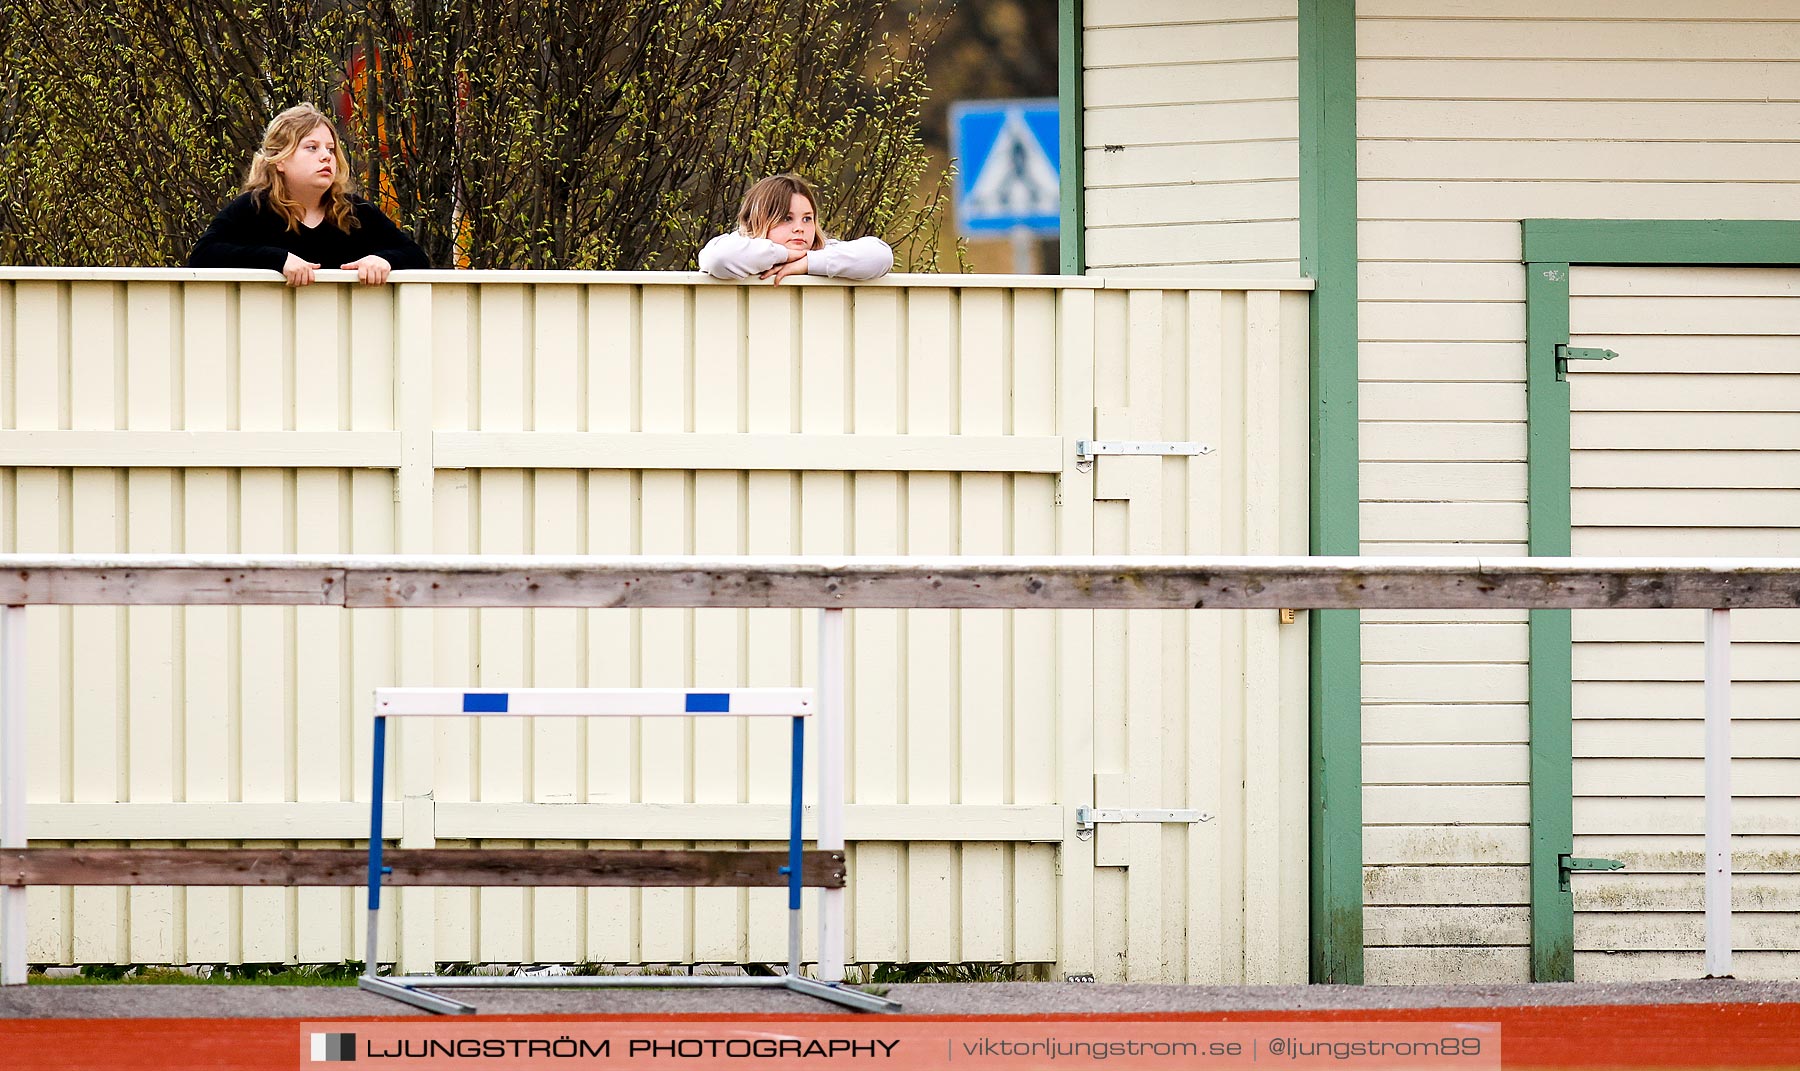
<point>795,266</point>
<point>371,269</point>
<point>299,272</point>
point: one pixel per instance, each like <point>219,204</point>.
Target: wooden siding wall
<point>1471,117</point>
<point>1191,129</point>
<point>1686,444</point>
<point>623,414</point>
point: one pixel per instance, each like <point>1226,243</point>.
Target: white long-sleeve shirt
<point>738,256</point>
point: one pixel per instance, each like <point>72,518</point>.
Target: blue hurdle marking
<point>484,703</point>
<point>709,702</point>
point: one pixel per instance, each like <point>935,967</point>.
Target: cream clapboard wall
<point>1686,444</point>
<point>1191,126</point>
<point>581,412</point>
<point>1472,116</point>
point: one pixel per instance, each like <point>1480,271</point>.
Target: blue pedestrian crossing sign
<point>1007,154</point>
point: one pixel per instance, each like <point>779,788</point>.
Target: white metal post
<point>1718,793</point>
<point>12,788</point>
<point>831,787</point>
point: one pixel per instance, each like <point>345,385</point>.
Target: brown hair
<point>280,142</point>
<point>769,201</point>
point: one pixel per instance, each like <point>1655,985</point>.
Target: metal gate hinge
<point>1567,864</point>
<point>1088,449</point>
<point>1086,818</point>
<point>1566,353</point>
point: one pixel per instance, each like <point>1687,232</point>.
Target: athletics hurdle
<point>796,704</point>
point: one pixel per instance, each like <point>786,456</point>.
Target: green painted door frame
<point>1328,254</point>
<point>1551,247</point>
<point>1072,247</point>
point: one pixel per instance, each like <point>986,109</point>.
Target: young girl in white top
<point>778,235</point>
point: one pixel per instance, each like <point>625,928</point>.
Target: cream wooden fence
<point>571,413</point>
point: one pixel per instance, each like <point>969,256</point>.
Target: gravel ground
<point>1040,999</point>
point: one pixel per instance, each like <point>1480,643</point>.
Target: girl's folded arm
<point>737,256</point>
<point>865,258</point>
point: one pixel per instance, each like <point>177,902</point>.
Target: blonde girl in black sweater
<point>299,212</point>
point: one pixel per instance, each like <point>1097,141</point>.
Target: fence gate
<point>1203,713</point>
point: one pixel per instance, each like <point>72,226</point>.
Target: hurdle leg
<point>392,988</point>
<point>796,780</point>
<point>376,788</point>
<point>831,787</point>
<point>12,787</point>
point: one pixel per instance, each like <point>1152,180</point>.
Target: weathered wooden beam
<point>1144,584</point>
<point>968,583</point>
<point>92,580</point>
<point>286,867</point>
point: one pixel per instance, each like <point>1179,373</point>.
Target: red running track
<point>1692,1036</point>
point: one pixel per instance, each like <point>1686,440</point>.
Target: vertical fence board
<point>826,381</point>
<point>265,755</point>
<point>1234,878</point>
<point>612,521</point>
<point>371,529</point>
<point>505,364</point>
<point>320,759</point>
<point>1294,652</point>
<point>555,651</point>
<point>934,879</point>
<point>1034,675</point>
<point>719,914</point>
<point>207,726</point>
<point>1206,679</point>
<point>95,638</point>
<point>1145,653</point>
<point>984,375</point>
<point>151,636</point>
<point>665,756</point>
<point>1263,828</point>
<point>37,372</point>
<point>771,384</point>
<point>1077,636</point>
<point>877,907</point>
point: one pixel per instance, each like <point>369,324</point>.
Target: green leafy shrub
<point>609,134</point>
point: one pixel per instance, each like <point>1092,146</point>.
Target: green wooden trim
<point>1072,249</point>
<point>1552,669</point>
<point>1328,254</point>
<point>1742,242</point>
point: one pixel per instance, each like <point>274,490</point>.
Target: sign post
<point>1008,154</point>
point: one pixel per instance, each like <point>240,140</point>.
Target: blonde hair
<point>280,141</point>
<point>769,202</point>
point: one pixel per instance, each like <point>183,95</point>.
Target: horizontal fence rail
<point>878,582</point>
<point>292,867</point>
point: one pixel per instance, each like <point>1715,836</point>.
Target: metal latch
<point>1566,353</point>
<point>1086,818</point>
<point>1567,864</point>
<point>1088,449</point>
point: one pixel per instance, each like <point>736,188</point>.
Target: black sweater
<point>248,234</point>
